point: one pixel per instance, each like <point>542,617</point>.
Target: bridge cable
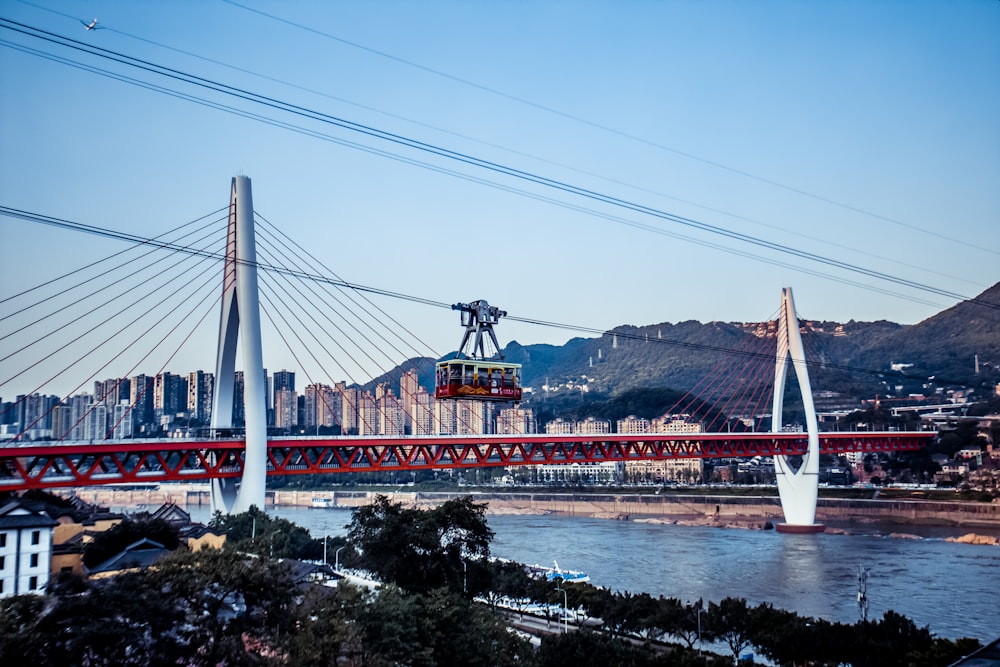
<point>91,310</point>
<point>471,160</point>
<point>60,309</point>
<point>32,217</point>
<point>554,163</point>
<point>350,293</point>
<point>490,184</point>
<point>124,349</point>
<point>109,257</point>
<point>154,306</point>
<point>345,306</point>
<point>605,128</point>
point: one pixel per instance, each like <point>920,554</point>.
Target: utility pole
<point>863,593</point>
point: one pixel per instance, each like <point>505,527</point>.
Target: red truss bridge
<point>115,462</point>
<point>737,390</point>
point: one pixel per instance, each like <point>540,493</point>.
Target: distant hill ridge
<point>679,355</point>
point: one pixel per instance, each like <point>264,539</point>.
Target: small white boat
<point>321,503</point>
<point>556,572</point>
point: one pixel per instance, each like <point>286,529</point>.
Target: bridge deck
<point>39,466</point>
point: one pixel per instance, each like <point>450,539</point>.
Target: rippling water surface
<point>953,588</point>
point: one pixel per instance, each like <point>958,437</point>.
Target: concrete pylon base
<point>806,529</point>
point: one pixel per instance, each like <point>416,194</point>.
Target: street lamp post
<point>701,645</point>
<point>336,558</point>
<point>565,608</point>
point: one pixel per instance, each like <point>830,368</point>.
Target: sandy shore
<point>966,522</point>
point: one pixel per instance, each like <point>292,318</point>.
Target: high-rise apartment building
<point>95,422</point>
<point>322,407</point>
<point>62,422</point>
<point>200,389</point>
<point>349,398</point>
<point>409,388</point>
<point>121,424</point>
<point>330,407</point>
<point>78,406</point>
<point>170,395</point>
<point>34,413</point>
<point>286,408</point>
<point>515,421</point>
<point>313,395</point>
<point>445,417</point>
<point>390,415</point>
<point>111,391</point>
<point>470,417</point>
<point>141,398</point>
<point>422,417</point>
<point>367,414</point>
<point>282,380</point>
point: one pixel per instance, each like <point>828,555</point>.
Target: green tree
<point>235,607</point>
<point>507,579</point>
<point>437,628</point>
<point>422,550</point>
<point>254,531</point>
<point>585,648</point>
<point>684,621</point>
<point>732,621</point>
<point>326,630</point>
<point>116,621</point>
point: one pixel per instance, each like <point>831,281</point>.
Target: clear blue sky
<point>802,123</point>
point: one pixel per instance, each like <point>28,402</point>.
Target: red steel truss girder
<point>107,462</point>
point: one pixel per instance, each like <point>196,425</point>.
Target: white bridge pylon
<point>240,320</point>
<point>797,489</point>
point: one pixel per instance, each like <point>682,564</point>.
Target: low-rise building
<point>25,549</point>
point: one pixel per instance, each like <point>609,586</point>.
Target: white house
<point>25,549</point>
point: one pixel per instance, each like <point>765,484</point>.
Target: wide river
<point>952,588</point>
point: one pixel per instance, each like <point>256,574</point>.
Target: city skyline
<point>859,134</point>
<point>177,405</point>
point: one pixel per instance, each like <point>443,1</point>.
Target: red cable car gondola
<point>471,373</point>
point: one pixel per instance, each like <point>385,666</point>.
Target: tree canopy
<point>419,550</point>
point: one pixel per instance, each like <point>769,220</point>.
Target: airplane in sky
<point>92,25</point>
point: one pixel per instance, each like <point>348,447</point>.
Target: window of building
<point>34,560</point>
<point>3,562</point>
<point>33,583</point>
<point>3,539</point>
<point>36,536</point>
<point>1,585</point>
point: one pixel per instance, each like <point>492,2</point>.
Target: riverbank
<point>954,518</point>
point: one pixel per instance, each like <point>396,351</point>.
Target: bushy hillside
<point>945,345</point>
<point>678,356</point>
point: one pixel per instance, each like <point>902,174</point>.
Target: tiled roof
<point>16,514</point>
<point>142,553</point>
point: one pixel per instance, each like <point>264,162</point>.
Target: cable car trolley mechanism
<point>472,373</point>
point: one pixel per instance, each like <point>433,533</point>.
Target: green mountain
<point>854,359</point>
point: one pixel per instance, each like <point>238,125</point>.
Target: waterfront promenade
<point>708,509</point>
